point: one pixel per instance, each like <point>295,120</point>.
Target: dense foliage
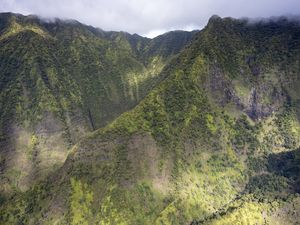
<point>216,141</point>
<point>61,79</point>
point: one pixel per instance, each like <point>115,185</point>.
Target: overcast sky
<point>150,17</point>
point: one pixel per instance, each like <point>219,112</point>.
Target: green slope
<point>61,79</point>
<point>215,142</point>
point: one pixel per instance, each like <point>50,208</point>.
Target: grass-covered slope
<point>216,142</point>
<point>61,79</point>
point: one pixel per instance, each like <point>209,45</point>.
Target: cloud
<point>149,17</point>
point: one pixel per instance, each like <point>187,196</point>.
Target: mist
<point>151,18</point>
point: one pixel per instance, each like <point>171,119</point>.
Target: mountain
<point>215,140</point>
<point>61,79</point>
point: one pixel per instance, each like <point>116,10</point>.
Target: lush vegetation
<point>62,79</point>
<point>214,142</point>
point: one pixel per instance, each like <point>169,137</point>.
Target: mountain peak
<point>213,19</point>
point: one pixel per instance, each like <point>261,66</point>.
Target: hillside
<point>61,79</point>
<point>214,142</point>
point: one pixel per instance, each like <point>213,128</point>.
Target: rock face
<point>258,100</point>
<point>198,148</point>
<point>257,75</point>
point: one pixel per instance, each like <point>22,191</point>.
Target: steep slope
<point>216,142</point>
<point>59,80</point>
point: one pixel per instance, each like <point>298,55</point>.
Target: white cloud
<point>149,17</point>
<point>154,33</point>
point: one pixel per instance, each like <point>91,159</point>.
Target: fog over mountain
<point>150,18</point>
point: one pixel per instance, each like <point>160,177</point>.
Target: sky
<point>150,17</point>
